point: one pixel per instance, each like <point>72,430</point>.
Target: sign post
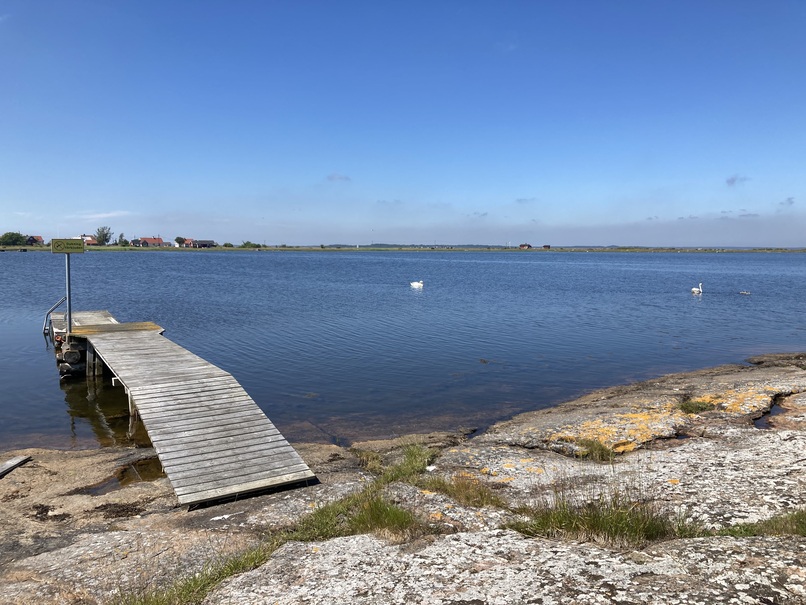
<point>67,247</point>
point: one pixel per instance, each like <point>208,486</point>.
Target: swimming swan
<point>697,290</point>
<point>417,284</point>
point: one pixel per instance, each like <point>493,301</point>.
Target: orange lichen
<point>746,402</point>
<point>626,431</point>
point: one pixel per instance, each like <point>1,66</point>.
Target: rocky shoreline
<point>72,534</point>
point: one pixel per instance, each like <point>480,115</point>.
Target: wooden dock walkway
<point>211,437</point>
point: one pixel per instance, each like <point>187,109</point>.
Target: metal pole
<point>69,302</point>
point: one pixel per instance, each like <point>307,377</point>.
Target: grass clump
<point>466,490</point>
<point>697,406</point>
<point>376,515</point>
<point>415,459</point>
<point>359,514</point>
<point>595,450</point>
<point>609,520</point>
<point>192,589</point>
<point>371,461</point>
<point>793,524</point>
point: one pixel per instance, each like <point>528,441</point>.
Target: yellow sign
<point>67,246</point>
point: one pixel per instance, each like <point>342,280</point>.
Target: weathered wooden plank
<point>159,409</point>
<point>176,413</point>
<point>12,463</point>
<point>165,442</point>
<point>222,383</point>
<point>168,439</point>
<point>257,449</point>
<point>164,425</point>
<point>199,478</point>
<point>253,473</point>
<point>177,453</point>
<point>202,495</point>
<point>240,462</point>
<point>105,328</point>
<point>195,396</point>
<point>198,396</point>
<point>223,427</point>
<point>193,497</point>
<point>237,418</point>
<point>133,381</point>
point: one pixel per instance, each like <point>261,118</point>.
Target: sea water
<point>336,346</point>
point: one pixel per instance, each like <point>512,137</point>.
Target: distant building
<point>203,243</point>
<point>149,242</point>
<point>546,247</point>
<point>525,246</point>
<point>89,240</point>
<point>34,240</point>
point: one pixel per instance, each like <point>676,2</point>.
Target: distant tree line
<point>13,238</point>
<point>104,236</point>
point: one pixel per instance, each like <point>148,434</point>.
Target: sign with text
<point>66,246</point>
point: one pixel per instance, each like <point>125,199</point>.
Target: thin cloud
<point>526,200</point>
<point>790,201</point>
<point>336,177</point>
<point>749,215</point>
<point>507,46</point>
<point>99,216</point>
<point>736,179</point>
<point>478,214</point>
<point>653,218</point>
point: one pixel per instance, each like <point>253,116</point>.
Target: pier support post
<point>95,365</point>
<point>90,361</point>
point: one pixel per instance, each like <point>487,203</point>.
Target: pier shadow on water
<point>105,408</point>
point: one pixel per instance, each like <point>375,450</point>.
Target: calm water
<point>337,347</point>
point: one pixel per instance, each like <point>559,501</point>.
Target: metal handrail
<point>46,325</point>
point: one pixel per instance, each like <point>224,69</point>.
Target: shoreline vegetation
<point>413,248</point>
<point>695,475</point>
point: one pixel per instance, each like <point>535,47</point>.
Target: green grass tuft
<point>611,520</point>
<point>467,491</point>
<point>793,524</point>
<point>696,406</point>
<point>595,450</point>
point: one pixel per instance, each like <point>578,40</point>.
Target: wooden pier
<point>211,437</point>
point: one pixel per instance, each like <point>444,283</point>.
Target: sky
<point>449,122</point>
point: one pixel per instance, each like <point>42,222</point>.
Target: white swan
<point>417,284</point>
<point>697,290</point>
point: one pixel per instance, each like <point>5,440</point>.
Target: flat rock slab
<point>502,567</point>
<point>716,480</point>
<point>625,418</point>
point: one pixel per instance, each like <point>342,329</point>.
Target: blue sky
<point>568,122</point>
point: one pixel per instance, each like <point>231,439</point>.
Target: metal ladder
<point>47,326</point>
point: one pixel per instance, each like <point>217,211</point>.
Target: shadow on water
<point>105,408</point>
